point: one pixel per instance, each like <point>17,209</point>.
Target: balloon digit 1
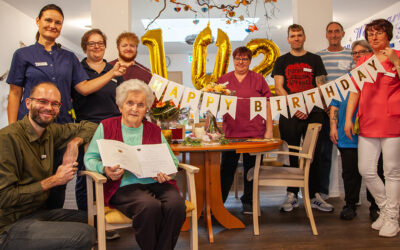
<point>154,42</point>
<point>199,76</point>
<point>223,53</point>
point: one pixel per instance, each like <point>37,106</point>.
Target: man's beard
<point>34,114</point>
<point>127,59</point>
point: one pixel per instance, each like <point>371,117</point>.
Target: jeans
<point>387,195</point>
<point>50,229</point>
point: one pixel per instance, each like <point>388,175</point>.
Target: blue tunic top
<point>33,64</point>
<point>343,141</point>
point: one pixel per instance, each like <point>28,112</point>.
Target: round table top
<point>240,147</point>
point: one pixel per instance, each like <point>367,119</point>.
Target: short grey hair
<point>133,85</point>
<point>363,43</point>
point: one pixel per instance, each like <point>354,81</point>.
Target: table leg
<point>224,217</point>
<point>207,215</point>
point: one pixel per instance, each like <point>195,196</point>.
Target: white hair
<point>133,85</point>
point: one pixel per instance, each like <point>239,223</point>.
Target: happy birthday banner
<point>302,101</point>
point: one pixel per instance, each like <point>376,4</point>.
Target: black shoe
<point>247,208</point>
<point>373,213</point>
<point>112,235</point>
<point>348,213</point>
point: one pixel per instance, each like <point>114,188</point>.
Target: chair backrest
<point>310,140</point>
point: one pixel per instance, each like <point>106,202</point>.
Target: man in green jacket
<point>26,176</point>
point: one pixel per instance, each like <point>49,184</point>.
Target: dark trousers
<point>157,212</point>
<point>352,178</point>
<point>229,162</point>
<point>292,130</point>
<point>326,156</point>
<point>57,194</point>
<point>80,186</point>
<point>50,229</point>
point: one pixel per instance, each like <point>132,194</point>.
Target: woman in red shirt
<point>379,119</point>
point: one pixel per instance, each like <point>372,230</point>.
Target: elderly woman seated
<point>154,204</point>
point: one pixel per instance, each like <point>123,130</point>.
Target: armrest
<point>295,147</point>
<point>293,154</point>
<point>189,168</point>
<point>98,178</point>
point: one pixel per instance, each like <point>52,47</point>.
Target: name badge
<point>390,74</point>
<point>114,80</point>
<point>39,64</point>
<point>307,69</point>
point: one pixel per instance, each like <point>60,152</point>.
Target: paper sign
<point>361,76</point>
<point>158,84</point>
<point>174,92</point>
<point>258,106</point>
<point>278,106</point>
<point>191,98</point>
<point>296,103</point>
<point>210,102</point>
<point>345,84</point>
<point>374,66</point>
<point>228,105</point>
<point>312,98</point>
<point>329,92</point>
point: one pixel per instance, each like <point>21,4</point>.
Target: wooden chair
<point>109,219</point>
<point>287,176</point>
<point>267,160</point>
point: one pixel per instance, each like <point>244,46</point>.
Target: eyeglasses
<point>243,59</point>
<point>378,33</point>
<point>45,102</point>
<point>361,52</point>
<point>92,44</point>
<point>139,105</point>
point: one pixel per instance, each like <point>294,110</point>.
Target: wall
<point>392,14</point>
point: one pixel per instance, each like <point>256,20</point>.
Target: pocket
<point>393,104</point>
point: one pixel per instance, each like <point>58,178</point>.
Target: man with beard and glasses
<point>127,44</point>
<point>26,177</point>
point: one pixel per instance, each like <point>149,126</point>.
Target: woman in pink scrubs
<point>379,119</point>
<point>246,84</point>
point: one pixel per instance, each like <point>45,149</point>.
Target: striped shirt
<point>336,63</point>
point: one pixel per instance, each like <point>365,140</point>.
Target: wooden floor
<point>280,230</point>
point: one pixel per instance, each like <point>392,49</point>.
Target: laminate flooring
<point>278,230</point>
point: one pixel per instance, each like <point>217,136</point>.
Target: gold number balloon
<point>154,42</point>
<point>271,53</point>
<point>203,39</point>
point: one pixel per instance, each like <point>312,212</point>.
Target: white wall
<point>15,27</point>
<point>392,14</point>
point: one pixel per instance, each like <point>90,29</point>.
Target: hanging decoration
<point>229,10</point>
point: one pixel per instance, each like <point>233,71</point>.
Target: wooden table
<point>208,180</point>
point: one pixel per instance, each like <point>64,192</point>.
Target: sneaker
<point>320,204</point>
<point>112,235</point>
<point>390,227</point>
<point>378,223</point>
<point>348,212</point>
<point>373,213</point>
<point>324,196</point>
<point>291,202</point>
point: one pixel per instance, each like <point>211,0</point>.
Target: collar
<point>30,131</point>
<point>86,66</point>
<point>53,48</point>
